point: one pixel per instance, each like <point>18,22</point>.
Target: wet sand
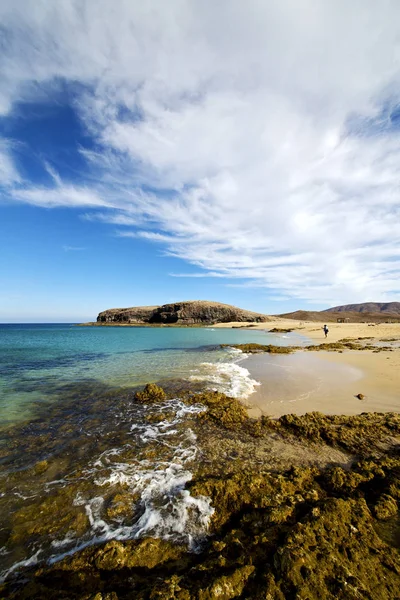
<point>327,381</point>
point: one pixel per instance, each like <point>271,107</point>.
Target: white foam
<point>32,560</point>
<point>166,509</point>
<point>235,351</point>
<point>229,378</point>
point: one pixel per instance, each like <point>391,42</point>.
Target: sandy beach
<point>328,382</point>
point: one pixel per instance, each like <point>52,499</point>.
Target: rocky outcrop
<point>180,313</point>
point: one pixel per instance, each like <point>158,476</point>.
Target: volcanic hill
<point>180,313</point>
<point>377,312</point>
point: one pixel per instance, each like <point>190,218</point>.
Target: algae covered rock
<point>227,586</point>
<point>222,410</point>
<point>152,393</point>
<point>304,532</point>
<point>253,348</point>
<point>114,555</point>
<point>386,507</point>
<point>358,433</point>
<point>338,555</point>
<point>41,467</point>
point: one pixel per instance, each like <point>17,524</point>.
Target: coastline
<point>328,381</point>
<point>161,485</point>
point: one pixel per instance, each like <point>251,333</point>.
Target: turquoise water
<point>73,438</point>
<point>37,362</point>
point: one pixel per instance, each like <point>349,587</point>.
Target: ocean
<point>80,461</point>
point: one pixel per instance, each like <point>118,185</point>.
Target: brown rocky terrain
<point>354,315</point>
<point>388,308</point>
<point>180,313</point>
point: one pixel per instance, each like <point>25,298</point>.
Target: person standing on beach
<point>325,328</point>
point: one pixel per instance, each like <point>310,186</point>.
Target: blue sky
<point>153,153</point>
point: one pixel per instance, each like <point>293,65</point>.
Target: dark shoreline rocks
<point>339,346</point>
<point>310,532</point>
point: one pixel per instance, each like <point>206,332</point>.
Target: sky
<point>243,152</point>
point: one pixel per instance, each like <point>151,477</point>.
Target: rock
<point>253,348</point>
<point>41,467</point>
<point>115,555</point>
<point>386,507</point>
<point>337,555</point>
<point>223,410</point>
<point>181,313</point>
<point>151,393</point>
<point>360,396</point>
<point>227,586</point>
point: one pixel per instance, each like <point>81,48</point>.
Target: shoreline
<point>328,381</point>
<point>293,492</point>
<point>104,498</point>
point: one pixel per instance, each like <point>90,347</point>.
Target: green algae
<point>280,330</point>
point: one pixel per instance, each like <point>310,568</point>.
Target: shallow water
<point>80,462</point>
<point>38,361</point>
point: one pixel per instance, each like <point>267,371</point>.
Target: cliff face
<point>185,313</point>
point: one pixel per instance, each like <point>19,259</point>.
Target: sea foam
<point>165,509</point>
<point>229,378</point>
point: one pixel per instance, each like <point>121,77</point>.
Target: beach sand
<point>328,381</point>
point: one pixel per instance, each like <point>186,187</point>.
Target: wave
<point>229,378</point>
<point>160,504</point>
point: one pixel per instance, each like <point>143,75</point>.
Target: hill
<point>388,308</point>
<point>180,313</point>
<point>377,312</point>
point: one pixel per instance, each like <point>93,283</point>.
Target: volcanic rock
<point>180,313</point>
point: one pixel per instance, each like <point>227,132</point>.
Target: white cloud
<point>64,195</point>
<point>8,172</point>
<point>263,129</point>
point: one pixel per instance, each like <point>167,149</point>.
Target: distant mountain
<point>392,308</point>
<point>377,312</point>
<point>190,312</point>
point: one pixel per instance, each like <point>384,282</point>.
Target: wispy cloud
<point>62,195</point>
<point>253,140</point>
<point>72,248</point>
<point>8,172</point>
